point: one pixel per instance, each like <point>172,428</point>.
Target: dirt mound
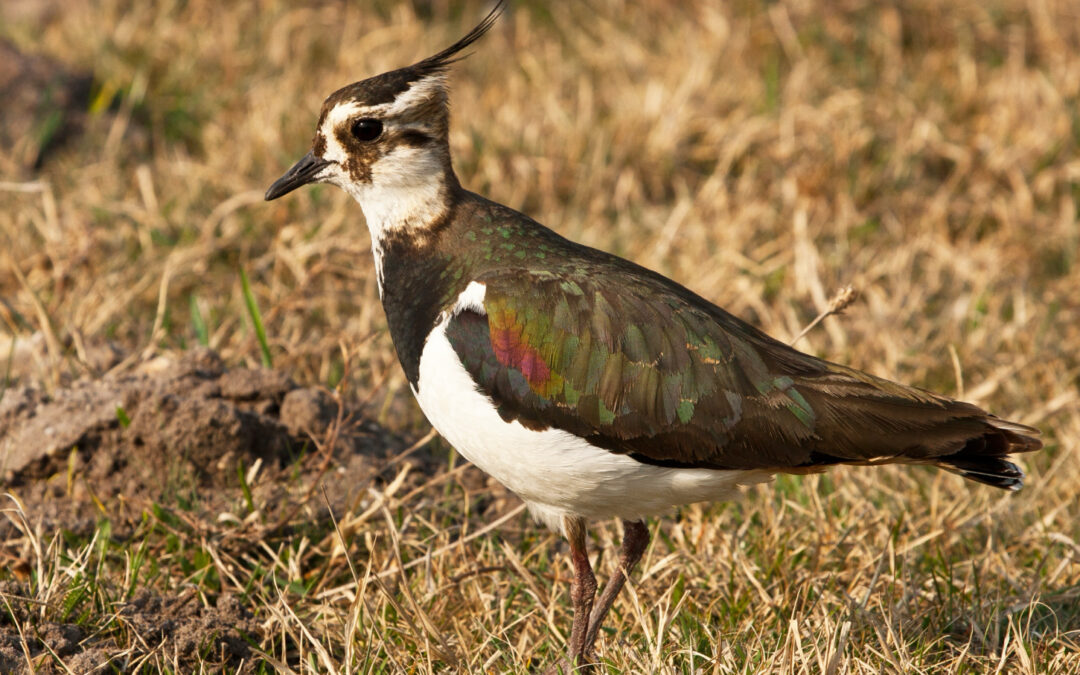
<point>183,440</point>
<point>179,625</point>
<point>120,431</point>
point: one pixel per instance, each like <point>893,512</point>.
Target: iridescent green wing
<point>639,365</point>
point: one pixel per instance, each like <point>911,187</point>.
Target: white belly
<point>556,473</point>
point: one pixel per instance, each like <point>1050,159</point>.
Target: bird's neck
<point>413,207</point>
<point>418,275</point>
<point>409,204</point>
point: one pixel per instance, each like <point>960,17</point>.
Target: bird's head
<point>384,139</point>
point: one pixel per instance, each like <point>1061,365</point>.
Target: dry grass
<point>924,152</point>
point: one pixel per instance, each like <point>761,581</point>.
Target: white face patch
<point>338,115</point>
<point>407,166</point>
<point>407,190</point>
<point>420,91</point>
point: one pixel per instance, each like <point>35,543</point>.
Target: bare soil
<point>169,431</point>
<point>177,622</point>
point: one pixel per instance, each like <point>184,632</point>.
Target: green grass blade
<point>256,319</point>
<point>245,488</point>
<point>7,368</point>
<point>202,334</point>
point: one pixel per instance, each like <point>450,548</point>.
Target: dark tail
<point>984,459</point>
<point>866,420</point>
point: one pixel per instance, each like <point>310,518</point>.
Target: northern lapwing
<point>591,387</point>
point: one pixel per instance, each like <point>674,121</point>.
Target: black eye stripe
<point>415,138</point>
<point>366,129</point>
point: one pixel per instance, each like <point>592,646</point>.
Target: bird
<point>590,386</point>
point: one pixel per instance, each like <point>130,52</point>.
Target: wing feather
<point>641,366</point>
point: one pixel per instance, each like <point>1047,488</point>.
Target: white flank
<point>555,472</point>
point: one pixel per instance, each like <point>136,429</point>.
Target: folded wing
<point>647,368</point>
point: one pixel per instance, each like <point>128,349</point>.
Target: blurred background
<point>924,152</point>
<point>763,154</point>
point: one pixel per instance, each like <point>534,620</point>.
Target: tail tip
<point>993,471</point>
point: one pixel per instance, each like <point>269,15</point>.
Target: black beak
<point>302,173</point>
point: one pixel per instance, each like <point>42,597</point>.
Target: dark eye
<point>366,129</point>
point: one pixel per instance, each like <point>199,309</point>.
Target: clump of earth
<point>168,427</point>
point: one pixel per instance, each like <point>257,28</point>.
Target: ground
<point>210,457</point>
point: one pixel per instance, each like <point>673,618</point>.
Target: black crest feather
<point>385,88</point>
<point>441,61</point>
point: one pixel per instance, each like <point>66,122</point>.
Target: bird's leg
<point>635,541</point>
<point>583,590</point>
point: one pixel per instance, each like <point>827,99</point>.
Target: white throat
<point>407,194</point>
